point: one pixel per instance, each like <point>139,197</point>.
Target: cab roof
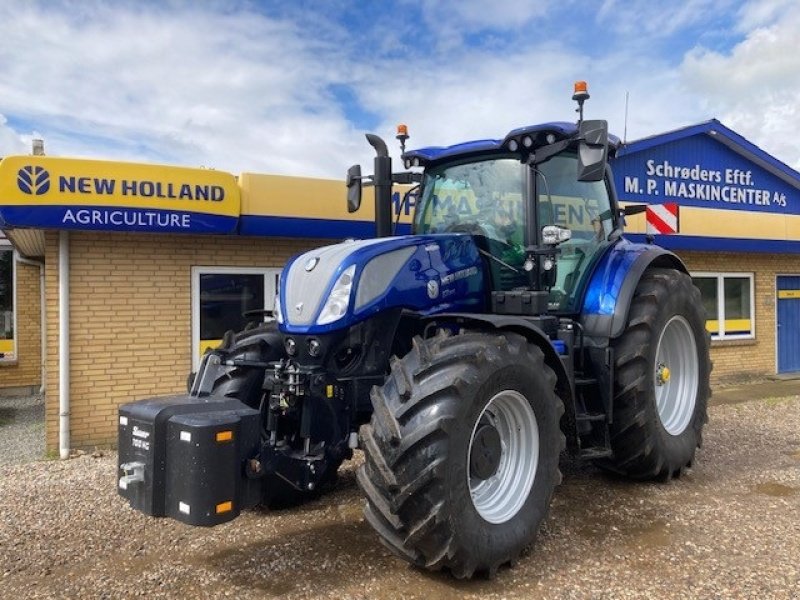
<point>561,129</point>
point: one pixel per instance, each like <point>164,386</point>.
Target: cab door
<point>584,207</point>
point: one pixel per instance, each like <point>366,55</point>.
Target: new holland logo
<point>33,180</point>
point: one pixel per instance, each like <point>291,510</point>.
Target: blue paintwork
<point>788,327</point>
<point>563,130</point>
<point>435,257</point>
<point>434,153</point>
<point>608,277</point>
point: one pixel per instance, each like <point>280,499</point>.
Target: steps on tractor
<point>590,417</point>
<point>593,425</point>
<point>595,452</point>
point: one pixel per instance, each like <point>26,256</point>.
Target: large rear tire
<point>661,379</point>
<point>462,452</point>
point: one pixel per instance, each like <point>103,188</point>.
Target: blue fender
<point>524,327</point>
<point>612,285</point>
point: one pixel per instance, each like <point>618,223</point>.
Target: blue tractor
<point>514,323</point>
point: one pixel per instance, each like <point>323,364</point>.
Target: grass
<point>779,400</point>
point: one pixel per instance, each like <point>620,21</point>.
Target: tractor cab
<point>506,203</point>
<point>539,205</point>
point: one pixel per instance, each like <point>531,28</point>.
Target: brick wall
<point>130,326</point>
<point>739,360</point>
<point>26,371</point>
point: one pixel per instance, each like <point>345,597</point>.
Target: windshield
<point>486,198</point>
<point>475,197</point>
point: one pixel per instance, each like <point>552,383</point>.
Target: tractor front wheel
<point>462,452</point>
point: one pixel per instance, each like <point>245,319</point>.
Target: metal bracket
<point>206,375</point>
<point>134,473</point>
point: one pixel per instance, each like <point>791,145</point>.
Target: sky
<point>291,87</point>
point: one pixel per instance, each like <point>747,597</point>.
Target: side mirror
<point>353,182</point>
<point>592,150</point>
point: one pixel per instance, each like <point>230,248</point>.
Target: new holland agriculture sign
<point>60,193</point>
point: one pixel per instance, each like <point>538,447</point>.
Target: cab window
<point>584,207</point>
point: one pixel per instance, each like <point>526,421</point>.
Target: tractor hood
<point>337,286</point>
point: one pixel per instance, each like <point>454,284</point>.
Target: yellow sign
<point>7,349</point>
<point>788,294</point>
<point>307,207</point>
<point>731,326</point>
<point>66,193</point>
<point>306,197</point>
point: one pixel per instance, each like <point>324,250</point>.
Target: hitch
<point>134,473</point>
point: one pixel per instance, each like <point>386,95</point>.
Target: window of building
<point>8,292</point>
<point>728,300</point>
<point>221,296</point>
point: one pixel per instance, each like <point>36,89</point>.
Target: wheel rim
<point>675,375</point>
<point>500,481</point>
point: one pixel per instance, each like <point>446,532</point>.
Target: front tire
<point>462,452</point>
<point>661,379</point>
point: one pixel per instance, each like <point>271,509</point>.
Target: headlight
<point>336,306</point>
<point>276,311</point>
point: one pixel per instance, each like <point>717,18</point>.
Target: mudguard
<point>524,327</point>
<point>613,283</point>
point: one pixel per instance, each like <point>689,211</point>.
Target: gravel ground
<point>728,529</point>
<point>21,429</point>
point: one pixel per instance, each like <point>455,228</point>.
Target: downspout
<point>42,316</point>
<point>63,344</point>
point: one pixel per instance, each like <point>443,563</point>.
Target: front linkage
<point>267,420</point>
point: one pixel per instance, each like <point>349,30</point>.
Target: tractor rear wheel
<point>661,379</point>
<point>462,452</point>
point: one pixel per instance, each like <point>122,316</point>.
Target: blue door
<point>788,324</point>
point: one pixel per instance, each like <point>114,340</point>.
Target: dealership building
<point>115,278</point>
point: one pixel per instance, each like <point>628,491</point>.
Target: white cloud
<point>474,95</point>
<point>11,142</point>
<point>240,90</point>
<point>636,18</point>
<point>212,88</point>
<point>754,87</point>
<point>477,15</point>
<point>758,13</point>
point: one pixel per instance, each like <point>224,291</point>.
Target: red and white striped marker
<point>662,218</point>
